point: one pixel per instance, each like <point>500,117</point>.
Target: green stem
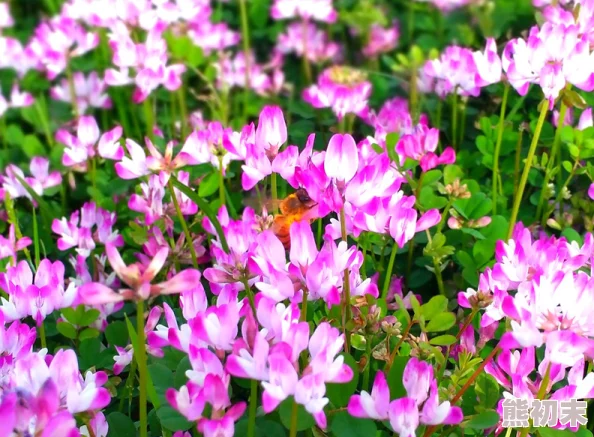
<point>542,391</point>
<point>444,217</point>
<point>306,64</point>
<point>551,162</point>
<point>44,120</point>
<point>439,109</point>
<point>42,336</point>
<point>221,182</point>
<point>438,276</point>
<point>388,276</point>
<point>72,90</point>
<point>3,131</point>
<point>184,225</point>
<point>498,148</point>
<point>36,237</point>
<point>346,313</point>
<point>548,212</point>
<point>413,93</point>
<point>411,21</point>
<point>251,430</point>
<point>518,198</point>
<point>118,98</point>
<point>293,429</point>
<point>245,37</point>
<point>454,118</point>
<point>462,123</point>
<point>140,355</point>
<point>183,111</point>
<point>273,190</point>
<point>366,373</point>
<point>149,118</point>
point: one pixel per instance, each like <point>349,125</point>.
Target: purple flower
<point>381,40</point>
<point>320,10</point>
<point>89,92</point>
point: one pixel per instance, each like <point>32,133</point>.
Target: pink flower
<point>88,143</point>
<point>305,39</point>
<point>488,64</point>
<point>6,19</point>
<point>375,405</point>
<point>18,99</point>
<point>420,145</point>
<point>591,191</point>
<point>10,246</point>
<point>212,36</point>
<point>35,296</point>
<point>320,10</point>
<point>138,277</point>
<point>343,89</point>
<point>56,41</point>
<point>231,73</point>
<point>446,6</point>
<point>89,91</point>
<point>138,164</point>
<point>271,132</point>
<point>552,56</point>
<point>381,40</point>
<point>455,71</point>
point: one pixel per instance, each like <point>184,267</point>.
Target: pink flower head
<point>231,73</point>
<point>420,145</point>
<point>381,40</point>
<point>88,143</point>
<point>138,277</point>
<point>341,88</point>
<point>319,10</point>
<point>89,91</point>
<point>488,64</point>
<point>35,296</point>
<point>56,41</point>
<point>18,99</point>
<point>552,56</point>
<point>40,179</point>
<point>307,40</point>
<point>271,132</point>
<point>10,246</point>
<point>212,36</point>
<point>455,71</point>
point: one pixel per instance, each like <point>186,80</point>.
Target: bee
<point>295,207</point>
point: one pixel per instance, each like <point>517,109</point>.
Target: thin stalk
<point>273,190</point>
<point>149,118</point>
<point>366,373</point>
<point>542,391</point>
<point>466,386</point>
<point>518,199</point>
<point>346,312</point>
<point>455,118</point>
<point>413,98</point>
<point>3,131</point>
<point>411,21</point>
<point>293,429</point>
<point>42,336</point>
<point>251,430</point>
<point>306,64</point>
<point>72,89</point>
<point>500,126</point>
<point>402,339</point>
<point>44,121</point>
<point>551,162</point>
<point>183,111</point>
<point>438,276</point>
<point>36,238</point>
<point>118,98</point>
<point>245,37</point>
<point>388,276</point>
<point>437,122</point>
<point>462,123</point>
<point>442,222</point>
<point>140,355</point>
<point>221,182</point>
<point>129,385</point>
<point>548,212</point>
<point>184,224</point>
<point>518,156</point>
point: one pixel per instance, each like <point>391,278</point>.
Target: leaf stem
<point>497,150</point>
<point>293,430</point>
<point>251,430</point>
<point>184,224</point>
<point>346,313</point>
<point>518,198</point>
<point>149,118</point>
<point>245,36</point>
<point>140,355</point>
<point>388,276</point>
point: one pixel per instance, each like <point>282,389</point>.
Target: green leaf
<point>163,379</point>
<point>394,377</point>
<point>443,340</point>
<point>32,146</point>
<point>150,388</point>
<point>117,333</point>
<point>451,173</point>
<point>339,394</point>
<point>552,432</point>
<point>180,377</point>
<point>441,322</point>
<point>88,350</point>
<point>71,315</point>
<point>120,425</point>
<point>89,317</point>
<point>304,419</point>
<point>572,235</point>
<point>436,305</point>
<point>431,176</point>
<point>14,135</point>
<point>67,330</point>
<point>484,420</point>
<point>89,333</point>
<point>487,390</point>
<point>205,209</point>
<point>345,425</point>
<point>209,185</point>
<point>172,420</point>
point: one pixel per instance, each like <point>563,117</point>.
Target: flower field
<point>271,218</point>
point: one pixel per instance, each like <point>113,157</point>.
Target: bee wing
<point>261,204</point>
